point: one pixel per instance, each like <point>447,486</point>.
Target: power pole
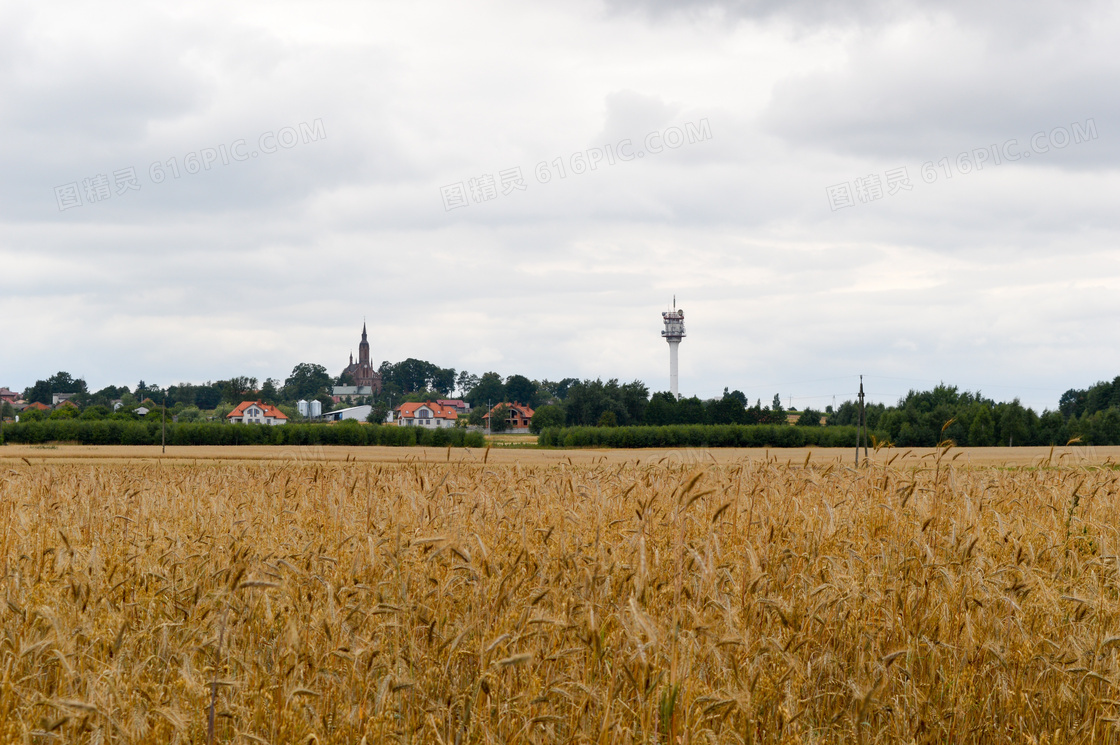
<point>860,426</point>
<point>863,417</point>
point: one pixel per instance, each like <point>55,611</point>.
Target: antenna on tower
<point>673,333</point>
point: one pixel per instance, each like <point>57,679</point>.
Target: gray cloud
<point>994,279</point>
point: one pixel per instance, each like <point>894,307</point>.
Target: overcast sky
<point>335,160</point>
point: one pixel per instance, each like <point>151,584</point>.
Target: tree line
<point>921,418</point>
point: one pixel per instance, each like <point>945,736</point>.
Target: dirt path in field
<point>1025,456</point>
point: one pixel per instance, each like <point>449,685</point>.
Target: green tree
<point>1052,429</point>
<point>1072,402</point>
<point>809,418</point>
<point>548,415</point>
<point>634,397</point>
<point>608,419</point>
<point>1012,424</point>
<point>588,399</point>
<point>727,410</point>
<point>61,382</point>
<point>464,383</point>
<point>442,380</point>
<point>690,410</point>
<point>411,375</point>
<point>308,381</point>
<point>520,389</point>
<point>982,431</point>
<point>661,410</point>
<point>557,389</point>
<point>1105,426</point>
<point>38,393</point>
<point>241,388</point>
<point>742,397</point>
<point>190,414</point>
<point>269,393</point>
<point>208,396</point>
<point>490,389</point>
<point>499,418</point>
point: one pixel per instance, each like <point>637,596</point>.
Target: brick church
<point>362,372</point>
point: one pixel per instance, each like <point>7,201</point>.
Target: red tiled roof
<point>408,410</point>
<point>268,409</point>
<point>517,409</point>
<point>38,406</point>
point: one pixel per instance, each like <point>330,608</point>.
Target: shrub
<point>698,435</point>
<point>122,432</point>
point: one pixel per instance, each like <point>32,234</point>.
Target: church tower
<point>361,370</point>
<point>363,348</point>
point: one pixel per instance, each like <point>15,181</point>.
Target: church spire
<point>363,348</point>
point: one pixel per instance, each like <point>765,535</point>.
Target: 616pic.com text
<point>98,188</point>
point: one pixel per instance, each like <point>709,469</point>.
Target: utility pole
<point>863,417</point>
<point>860,425</point>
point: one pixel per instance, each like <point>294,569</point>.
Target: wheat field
<point>318,600</point>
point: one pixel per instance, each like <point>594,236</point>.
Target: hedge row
<point>113,432</point>
<point>699,435</point>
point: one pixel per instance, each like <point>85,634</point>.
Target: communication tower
<point>673,333</point>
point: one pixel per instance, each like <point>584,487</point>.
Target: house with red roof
<point>426,414</point>
<point>255,412</point>
<point>517,419</point>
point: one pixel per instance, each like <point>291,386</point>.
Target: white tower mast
<point>673,333</point>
